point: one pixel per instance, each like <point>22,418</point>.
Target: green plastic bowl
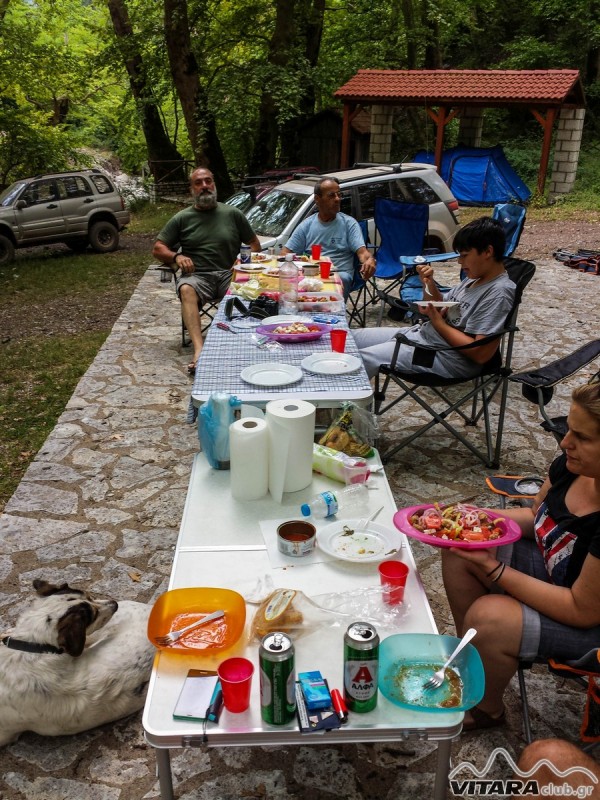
<point>407,660</point>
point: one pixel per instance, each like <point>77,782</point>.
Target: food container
<point>177,608</point>
<point>310,269</point>
<point>407,660</point>
<point>296,538</point>
<point>320,301</point>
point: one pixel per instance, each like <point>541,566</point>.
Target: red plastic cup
<point>338,340</point>
<point>235,675</point>
<point>325,269</point>
<point>315,252</point>
<point>393,575</point>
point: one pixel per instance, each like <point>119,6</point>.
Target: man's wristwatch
<point>175,261</point>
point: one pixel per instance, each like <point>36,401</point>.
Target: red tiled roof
<point>547,87</point>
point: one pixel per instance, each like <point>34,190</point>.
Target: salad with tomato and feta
<point>457,522</point>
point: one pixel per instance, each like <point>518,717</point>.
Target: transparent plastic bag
<point>293,612</point>
<point>353,432</point>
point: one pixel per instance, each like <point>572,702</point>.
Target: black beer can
<point>361,667</point>
<point>277,679</point>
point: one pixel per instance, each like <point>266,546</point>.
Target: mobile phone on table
<point>196,695</point>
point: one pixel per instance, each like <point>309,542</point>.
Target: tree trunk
<point>280,48</point>
<point>164,159</point>
<point>200,122</point>
<point>3,8</point>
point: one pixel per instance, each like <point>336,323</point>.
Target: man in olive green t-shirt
<point>203,242</point>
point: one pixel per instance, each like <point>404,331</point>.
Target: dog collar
<point>30,647</point>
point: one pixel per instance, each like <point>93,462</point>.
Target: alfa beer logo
<point>362,679</point>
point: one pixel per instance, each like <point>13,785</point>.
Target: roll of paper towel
<point>291,425</point>
<point>249,454</point>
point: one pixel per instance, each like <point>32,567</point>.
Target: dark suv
<point>79,208</point>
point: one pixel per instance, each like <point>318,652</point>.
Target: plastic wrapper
<point>310,285</point>
<point>249,290</point>
<point>353,432</point>
<point>339,466</point>
<point>293,612</point>
<point>264,343</point>
<point>214,418</point>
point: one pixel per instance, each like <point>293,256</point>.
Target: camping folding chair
<point>512,218</point>
<point>362,293</point>
<point>537,386</point>
<point>402,230</point>
<point>425,388</point>
<point>207,310</point>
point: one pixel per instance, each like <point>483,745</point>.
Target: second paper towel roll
<point>249,454</point>
<point>291,426</point>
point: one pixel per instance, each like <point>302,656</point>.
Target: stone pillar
<point>380,145</point>
<point>566,150</point>
<point>470,126</point>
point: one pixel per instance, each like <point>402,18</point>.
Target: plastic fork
<point>437,678</point>
<point>174,636</point>
<point>362,523</point>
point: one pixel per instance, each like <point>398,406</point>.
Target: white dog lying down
<point>54,680</point>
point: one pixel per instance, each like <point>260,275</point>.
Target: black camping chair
<point>362,293</point>
<point>537,386</point>
<point>207,310</point>
<point>478,391</point>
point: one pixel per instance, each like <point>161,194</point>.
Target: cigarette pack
<point>315,691</point>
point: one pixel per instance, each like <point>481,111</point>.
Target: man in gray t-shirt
<point>484,298</point>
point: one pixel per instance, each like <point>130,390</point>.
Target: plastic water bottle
<point>328,503</point>
<point>288,286</point>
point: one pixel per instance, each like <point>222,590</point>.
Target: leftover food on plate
<point>457,522</point>
<point>405,683</point>
<point>259,257</point>
<point>297,327</point>
<point>213,634</point>
<point>318,297</point>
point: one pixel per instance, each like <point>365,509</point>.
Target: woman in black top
<point>541,595</point>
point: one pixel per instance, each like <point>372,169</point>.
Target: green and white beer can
<point>361,667</point>
<point>277,679</point>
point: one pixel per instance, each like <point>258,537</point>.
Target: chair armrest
<point>559,370</point>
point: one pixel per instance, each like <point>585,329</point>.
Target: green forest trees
<point>227,82</point>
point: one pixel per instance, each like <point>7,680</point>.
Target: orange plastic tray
<point>180,607</point>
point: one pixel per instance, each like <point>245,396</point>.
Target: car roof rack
<point>67,172</point>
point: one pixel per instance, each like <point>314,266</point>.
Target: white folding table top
<point>221,544</point>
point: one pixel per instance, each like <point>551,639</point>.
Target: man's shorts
<point>207,285</point>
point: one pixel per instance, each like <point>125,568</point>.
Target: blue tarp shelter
<point>479,176</point>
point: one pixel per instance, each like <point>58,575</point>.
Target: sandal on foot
<point>480,720</point>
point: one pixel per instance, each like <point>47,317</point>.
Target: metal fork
<point>174,636</point>
<point>437,678</point>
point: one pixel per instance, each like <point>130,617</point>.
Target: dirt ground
<point>539,240</point>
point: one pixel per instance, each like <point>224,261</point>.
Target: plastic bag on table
<point>353,432</point>
<point>367,604</point>
<point>290,611</point>
<point>214,419</point>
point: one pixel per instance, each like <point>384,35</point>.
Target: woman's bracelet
<point>491,572</point>
<point>499,575</point>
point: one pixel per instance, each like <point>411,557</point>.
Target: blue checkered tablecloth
<point>225,355</point>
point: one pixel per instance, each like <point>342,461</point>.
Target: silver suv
<point>78,208</point>
<point>275,215</point>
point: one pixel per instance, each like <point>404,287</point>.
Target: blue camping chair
<point>512,218</point>
<point>402,228</point>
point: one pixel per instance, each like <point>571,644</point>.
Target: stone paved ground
<point>100,507</point>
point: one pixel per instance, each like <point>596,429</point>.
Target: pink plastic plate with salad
<point>456,525</point>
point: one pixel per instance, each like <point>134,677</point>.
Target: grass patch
<point>38,378</point>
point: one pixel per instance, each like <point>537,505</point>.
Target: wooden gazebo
<point>446,93</point>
